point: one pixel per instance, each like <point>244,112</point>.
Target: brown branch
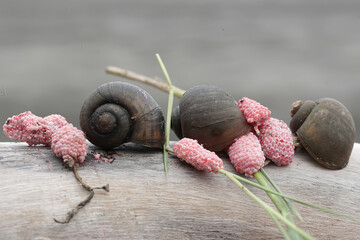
<point>83,203</point>
<point>74,211</point>
<point>157,83</point>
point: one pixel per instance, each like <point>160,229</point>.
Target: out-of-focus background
<point>53,54</point>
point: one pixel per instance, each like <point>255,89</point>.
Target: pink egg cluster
<point>277,141</point>
<point>34,130</point>
<point>274,140</point>
<point>192,152</point>
<point>254,112</point>
<point>246,154</point>
<point>67,141</point>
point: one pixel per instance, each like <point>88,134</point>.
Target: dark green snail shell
<point>327,133</point>
<point>211,116</point>
<point>119,112</point>
<point>298,117</point>
<point>176,122</point>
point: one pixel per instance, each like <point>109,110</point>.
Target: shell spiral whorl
<point>119,112</point>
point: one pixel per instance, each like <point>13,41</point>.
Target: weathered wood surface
<point>143,203</point>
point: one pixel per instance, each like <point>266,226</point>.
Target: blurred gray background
<point>53,54</point>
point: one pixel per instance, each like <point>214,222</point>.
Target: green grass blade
<point>278,202</point>
<point>265,206</point>
<point>281,229</point>
<point>168,115</point>
<point>167,128</point>
<point>164,70</point>
<point>277,189</point>
<point>166,156</point>
<point>274,198</point>
<point>294,199</point>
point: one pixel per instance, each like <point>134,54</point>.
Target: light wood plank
<point>143,203</point>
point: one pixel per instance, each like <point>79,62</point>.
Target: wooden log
<point>143,203</point>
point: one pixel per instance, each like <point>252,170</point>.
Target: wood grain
<point>143,203</point>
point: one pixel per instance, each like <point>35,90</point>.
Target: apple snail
<point>326,129</point>
<point>118,112</point>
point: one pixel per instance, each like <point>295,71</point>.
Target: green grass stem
<point>278,202</point>
<point>265,206</point>
<point>326,210</point>
<point>277,189</point>
<point>168,115</point>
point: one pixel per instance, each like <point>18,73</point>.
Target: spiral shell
<point>119,112</point>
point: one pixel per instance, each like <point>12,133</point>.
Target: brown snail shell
<point>176,122</point>
<point>211,116</point>
<point>119,112</point>
<point>325,129</point>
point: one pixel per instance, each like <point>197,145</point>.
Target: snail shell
<point>176,122</point>
<point>119,112</point>
<point>325,129</point>
<point>211,116</point>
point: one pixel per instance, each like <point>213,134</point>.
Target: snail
<point>326,129</point>
<point>209,115</point>
<point>118,112</point>
<point>176,122</point>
